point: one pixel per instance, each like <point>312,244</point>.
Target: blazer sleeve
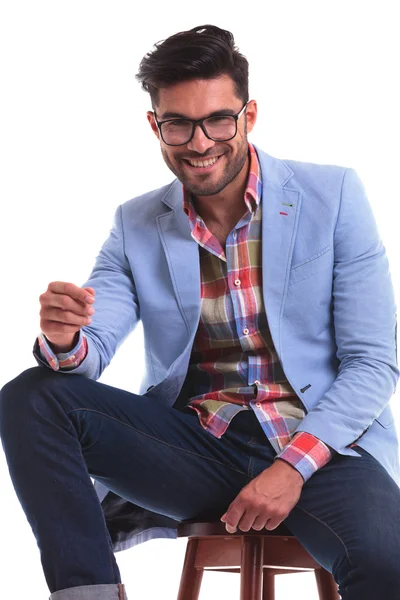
<point>116,306</point>
<point>365,323</point>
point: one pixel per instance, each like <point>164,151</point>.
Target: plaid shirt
<point>234,365</point>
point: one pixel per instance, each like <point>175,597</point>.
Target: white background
<point>75,143</point>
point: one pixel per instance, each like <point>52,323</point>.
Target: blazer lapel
<point>278,230</point>
<point>182,254</point>
<point>280,216</point>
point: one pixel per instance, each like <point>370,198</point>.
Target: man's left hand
<point>267,500</point>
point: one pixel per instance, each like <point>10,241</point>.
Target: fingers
<point>61,303</point>
<point>77,294</point>
<point>232,517</point>
<point>90,290</point>
<point>251,521</point>
<point>246,522</point>
<point>260,522</point>
<point>248,518</point>
<point>68,317</point>
<point>69,289</point>
<point>70,299</point>
<point>65,309</point>
<point>272,524</point>
<point>56,328</point>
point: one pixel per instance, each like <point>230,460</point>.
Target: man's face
<point>194,100</point>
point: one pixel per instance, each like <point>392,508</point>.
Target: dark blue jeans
<point>57,430</point>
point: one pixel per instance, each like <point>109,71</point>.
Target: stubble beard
<point>205,188</point>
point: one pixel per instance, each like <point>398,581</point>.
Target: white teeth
<point>203,163</point>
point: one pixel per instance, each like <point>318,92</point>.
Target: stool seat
<point>257,555</point>
<point>205,528</point>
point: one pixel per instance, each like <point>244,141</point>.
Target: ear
<point>251,115</point>
<point>153,124</point>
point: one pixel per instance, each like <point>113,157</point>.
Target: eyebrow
<point>174,115</point>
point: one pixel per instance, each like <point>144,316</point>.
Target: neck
<point>228,206</point>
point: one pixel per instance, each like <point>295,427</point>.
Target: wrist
<point>286,466</point>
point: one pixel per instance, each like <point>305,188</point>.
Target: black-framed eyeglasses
<point>179,131</point>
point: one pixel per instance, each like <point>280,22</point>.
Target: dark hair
<point>204,52</point>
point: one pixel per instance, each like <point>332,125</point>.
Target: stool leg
<point>189,587</point>
<point>268,585</point>
<point>327,587</point>
<point>251,568</point>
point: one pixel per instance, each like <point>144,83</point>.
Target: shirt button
<point>245,331</point>
<point>258,405</point>
<point>237,281</point>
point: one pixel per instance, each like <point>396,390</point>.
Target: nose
<point>200,142</point>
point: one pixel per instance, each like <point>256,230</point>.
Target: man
<point>270,336</point>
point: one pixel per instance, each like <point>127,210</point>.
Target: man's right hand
<point>65,309</point>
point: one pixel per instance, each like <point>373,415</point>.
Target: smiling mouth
<point>202,165</point>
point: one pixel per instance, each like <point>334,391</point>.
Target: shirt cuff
<point>64,360</point>
<point>306,453</point>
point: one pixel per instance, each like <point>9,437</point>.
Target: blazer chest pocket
<point>311,265</point>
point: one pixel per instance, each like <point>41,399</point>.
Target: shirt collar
<point>252,194</point>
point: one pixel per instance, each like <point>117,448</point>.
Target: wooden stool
<point>257,555</point>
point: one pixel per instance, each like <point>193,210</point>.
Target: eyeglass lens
<point>180,131</point>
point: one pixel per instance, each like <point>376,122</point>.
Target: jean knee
<point>33,374</point>
<point>16,393</point>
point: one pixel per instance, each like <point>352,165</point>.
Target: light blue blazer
<point>327,292</point>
